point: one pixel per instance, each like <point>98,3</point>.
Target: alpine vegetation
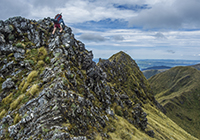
<point>51,89</point>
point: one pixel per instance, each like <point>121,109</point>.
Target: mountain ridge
<point>178,91</point>
<point>51,89</point>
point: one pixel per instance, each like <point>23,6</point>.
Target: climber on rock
<point>58,23</point>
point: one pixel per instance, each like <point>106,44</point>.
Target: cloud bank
<point>171,14</point>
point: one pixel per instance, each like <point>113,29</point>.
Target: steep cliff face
<point>51,89</point>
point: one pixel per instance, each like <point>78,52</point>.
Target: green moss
<point>11,27</point>
<point>2,80</point>
<point>20,45</point>
<point>32,62</point>
<point>73,106</point>
<point>45,130</point>
<point>29,44</point>
<point>32,55</point>
<point>62,66</point>
<point>81,90</point>
<point>57,54</point>
<point>11,37</point>
<point>25,99</point>
<point>118,110</point>
<point>47,59</point>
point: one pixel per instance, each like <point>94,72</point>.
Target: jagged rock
<point>8,84</point>
<point>123,96</point>
<point>61,136</point>
<point>79,138</point>
<point>150,133</point>
<point>6,49</point>
<point>8,119</point>
<point>18,56</point>
<point>71,95</point>
<point>54,43</point>
<point>2,39</point>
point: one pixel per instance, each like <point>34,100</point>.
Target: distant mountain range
<point>197,66</point>
<point>147,63</point>
<point>157,68</point>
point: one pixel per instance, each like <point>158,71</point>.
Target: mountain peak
<point>120,56</point>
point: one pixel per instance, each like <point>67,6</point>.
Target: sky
<point>144,29</point>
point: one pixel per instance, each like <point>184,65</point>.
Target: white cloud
<point>92,37</point>
<point>159,36</point>
<point>140,44</point>
<point>172,14</point>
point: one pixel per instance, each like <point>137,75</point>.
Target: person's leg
<point>61,29</point>
<point>54,29</point>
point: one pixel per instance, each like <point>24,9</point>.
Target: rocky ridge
<point>51,88</point>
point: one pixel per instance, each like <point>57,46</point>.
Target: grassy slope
<point>178,91</point>
<point>163,127</point>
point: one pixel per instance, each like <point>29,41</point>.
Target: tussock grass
<point>40,63</point>
<point>21,84</point>
<point>33,90</point>
<point>2,113</point>
<point>164,127</point>
<point>16,102</point>
<point>25,87</point>
<point>126,131</point>
<point>31,76</point>
<point>8,99</point>
<point>42,53</point>
<point>17,119</point>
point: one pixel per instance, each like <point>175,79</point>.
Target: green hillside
<point>126,78</point>
<point>178,91</point>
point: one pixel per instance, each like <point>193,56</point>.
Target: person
<point>58,23</point>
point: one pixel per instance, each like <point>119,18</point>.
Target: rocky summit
<point>50,88</point>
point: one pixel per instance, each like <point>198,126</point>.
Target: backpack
<point>58,18</point>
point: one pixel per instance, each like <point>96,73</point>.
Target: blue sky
<point>145,29</point>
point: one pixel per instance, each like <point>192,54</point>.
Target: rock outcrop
<point>51,88</point>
